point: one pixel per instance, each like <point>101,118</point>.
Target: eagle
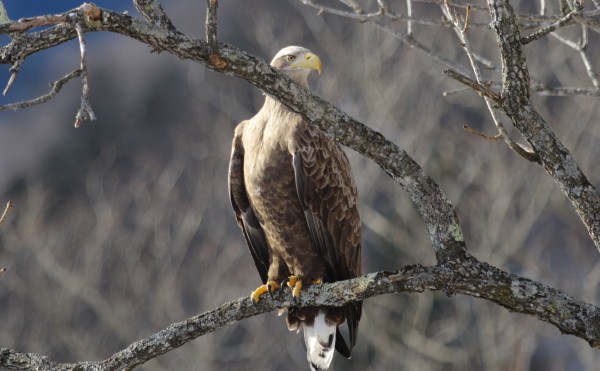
<point>296,203</point>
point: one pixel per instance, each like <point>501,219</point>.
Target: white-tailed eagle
<point>296,202</point>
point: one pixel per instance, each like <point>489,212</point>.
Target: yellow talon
<point>269,287</point>
<point>296,284</point>
<point>291,281</point>
<point>258,292</point>
<point>296,289</point>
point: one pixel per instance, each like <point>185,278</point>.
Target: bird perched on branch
<point>296,202</point>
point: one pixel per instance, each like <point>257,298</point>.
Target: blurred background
<point>124,225</point>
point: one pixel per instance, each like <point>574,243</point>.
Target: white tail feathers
<point>320,342</point>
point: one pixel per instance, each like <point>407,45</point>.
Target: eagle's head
<point>296,62</point>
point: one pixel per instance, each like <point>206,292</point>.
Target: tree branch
<point>85,112</point>
<point>56,86</point>
<point>469,277</point>
<point>578,9</point>
<point>153,11</point>
<point>456,272</point>
<point>7,208</point>
<point>556,159</point>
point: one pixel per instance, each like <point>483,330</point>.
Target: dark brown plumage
<point>296,202</point>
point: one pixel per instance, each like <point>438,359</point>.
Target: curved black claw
<point>285,282</point>
<point>271,287</point>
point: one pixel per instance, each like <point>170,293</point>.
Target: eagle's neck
<point>275,122</point>
<point>277,112</point>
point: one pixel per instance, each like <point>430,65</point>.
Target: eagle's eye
<point>291,58</point>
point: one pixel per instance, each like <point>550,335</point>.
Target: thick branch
<point>556,159</point>
<point>469,277</point>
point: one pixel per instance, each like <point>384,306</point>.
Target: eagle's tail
<point>320,342</point>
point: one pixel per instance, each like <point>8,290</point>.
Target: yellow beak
<point>310,61</point>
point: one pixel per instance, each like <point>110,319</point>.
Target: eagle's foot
<point>290,281</point>
<point>296,285</point>
<point>269,287</point>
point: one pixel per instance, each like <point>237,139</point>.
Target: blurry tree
<point>149,211</point>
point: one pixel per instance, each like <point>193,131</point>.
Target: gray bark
<point>456,271</point>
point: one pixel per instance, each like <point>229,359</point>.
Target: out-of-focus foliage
<point>124,225</point>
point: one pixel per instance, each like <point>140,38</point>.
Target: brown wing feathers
<point>253,232</point>
<point>328,196</point>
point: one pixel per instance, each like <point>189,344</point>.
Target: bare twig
<point>469,129</point>
<point>153,11</point>
<point>527,154</point>
<point>56,87</point>
<point>409,12</point>
<point>581,47</point>
<point>542,7</point>
<point>211,23</point>
<point>90,10</point>
<point>412,41</point>
<point>462,89</point>
<point>14,70</point>
<point>25,24</point>
<point>9,206</point>
<point>211,34</point>
<point>578,9</point>
<point>355,6</point>
<point>482,89</point>
<point>85,111</point>
<point>461,31</point>
<point>361,16</point>
<point>564,91</point>
<point>564,40</point>
<point>590,69</point>
<point>467,20</point>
